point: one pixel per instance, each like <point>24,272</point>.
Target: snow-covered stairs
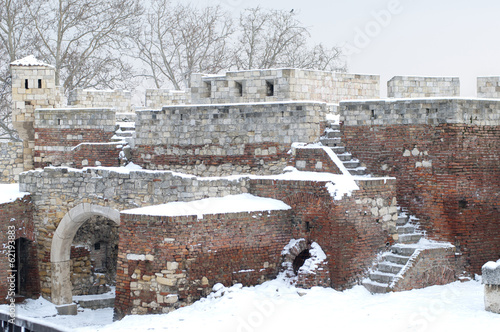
<point>332,139</point>
<point>124,131</point>
<point>391,263</point>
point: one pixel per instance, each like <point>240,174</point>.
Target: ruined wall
<point>177,260</point>
<point>120,100</point>
<point>272,85</point>
<point>445,155</point>
<point>214,140</point>
<point>351,231</point>
<point>17,216</point>
<point>11,161</point>
<point>423,87</point>
<point>157,98</point>
<point>55,191</point>
<point>488,87</point>
<point>309,159</point>
<point>58,131</point>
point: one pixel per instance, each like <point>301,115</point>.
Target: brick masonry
<point>183,257</point>
<point>445,157</point>
<point>19,214</point>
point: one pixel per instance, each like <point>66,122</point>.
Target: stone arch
<point>61,247</point>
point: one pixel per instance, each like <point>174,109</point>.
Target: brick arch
<point>61,246</point>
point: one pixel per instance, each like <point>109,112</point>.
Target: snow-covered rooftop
<point>227,204</point>
<point>10,192</point>
<point>29,61</point>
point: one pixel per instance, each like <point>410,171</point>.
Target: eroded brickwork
<point>183,257</point>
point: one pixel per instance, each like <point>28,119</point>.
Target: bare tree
<point>181,39</point>
<point>85,39</point>
<point>276,38</point>
<point>14,43</point>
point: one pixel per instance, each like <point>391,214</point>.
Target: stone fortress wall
<point>11,161</point>
<point>423,87</point>
<point>120,100</point>
<point>488,87</point>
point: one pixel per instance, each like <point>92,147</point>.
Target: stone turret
<point>33,86</point>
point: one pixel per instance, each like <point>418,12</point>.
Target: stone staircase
<point>332,139</point>
<point>124,132</point>
<point>393,262</point>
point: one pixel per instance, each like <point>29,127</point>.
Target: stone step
<point>357,171</point>
<point>375,287</point>
<point>382,277</point>
<point>330,133</point>
<point>125,133</point>
<point>338,149</point>
<point>402,220</point>
<point>410,238</point>
<point>331,142</point>
<point>351,163</point>
<point>403,250</point>
<point>334,126</point>
<point>406,229</point>
<point>97,303</point>
<point>389,267</point>
<point>117,139</point>
<point>395,258</point>
<point>346,156</point>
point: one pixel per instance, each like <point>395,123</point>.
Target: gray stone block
<point>67,309</point>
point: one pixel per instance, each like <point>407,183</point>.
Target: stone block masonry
<point>214,140</point>
<point>488,87</point>
<point>157,98</point>
<point>445,155</point>
<point>120,100</point>
<point>11,161</point>
<point>177,260</point>
<point>58,131</point>
<point>273,85</point>
<point>491,281</point>
<point>423,87</point>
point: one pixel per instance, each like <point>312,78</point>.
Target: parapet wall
<point>478,112</point>
<point>273,85</point>
<point>59,130</point>
<point>120,100</point>
<point>11,161</point>
<point>225,139</point>
<point>488,87</point>
<point>157,98</point>
<point>423,87</point>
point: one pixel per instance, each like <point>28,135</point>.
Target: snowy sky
<point>424,37</point>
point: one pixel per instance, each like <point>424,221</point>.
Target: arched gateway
<point>61,246</point>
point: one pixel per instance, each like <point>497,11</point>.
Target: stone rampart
<point>157,98</point>
<point>488,87</point>
<point>423,87</point>
<point>272,85</point>
<point>214,140</point>
<point>120,100</point>
<point>11,161</point>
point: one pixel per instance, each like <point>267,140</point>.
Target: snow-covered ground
<point>276,306</point>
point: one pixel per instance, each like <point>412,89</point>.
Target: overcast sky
<point>402,37</point>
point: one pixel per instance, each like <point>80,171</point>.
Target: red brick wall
<point>345,229</point>
<point>54,138</point>
<point>106,154</point>
<point>221,248</point>
<point>458,197</point>
<point>19,215</point>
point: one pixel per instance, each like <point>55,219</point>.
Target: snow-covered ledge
<point>491,281</point>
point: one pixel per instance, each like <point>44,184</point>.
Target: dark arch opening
<point>300,259</point>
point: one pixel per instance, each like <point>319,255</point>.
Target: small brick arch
<point>61,246</point>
